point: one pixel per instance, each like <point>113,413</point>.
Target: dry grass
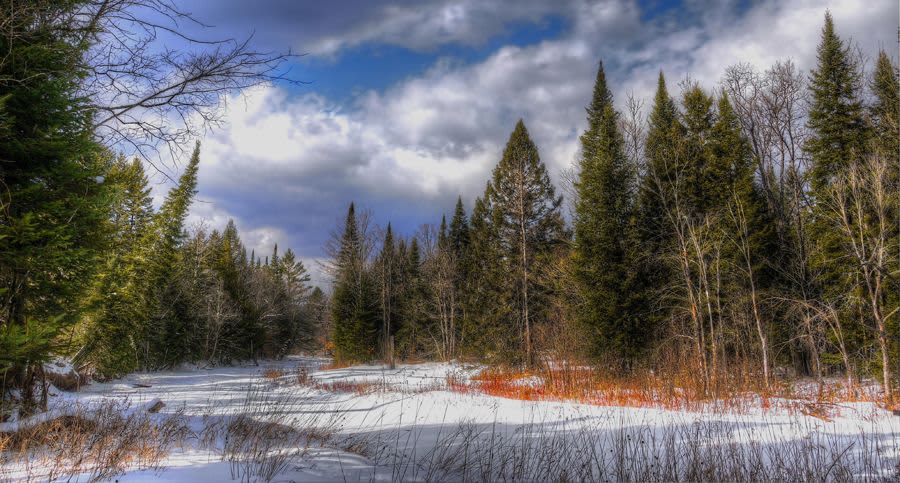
<point>266,434</point>
<point>678,391</point>
<point>99,443</point>
<point>613,449</point>
<point>273,373</point>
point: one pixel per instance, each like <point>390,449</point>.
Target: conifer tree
<point>885,112</point>
<point>165,335</point>
<point>389,283</point>
<point>602,225</point>
<point>355,301</point>
<point>836,144</point>
<point>528,224</point>
<point>459,230</point>
<point>836,113</point>
<point>132,207</point>
<point>487,301</point>
<point>691,158</point>
<point>663,148</point>
<point>115,303</point>
<point>54,210</point>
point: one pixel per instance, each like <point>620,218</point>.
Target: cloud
<point>323,28</point>
<point>286,165</point>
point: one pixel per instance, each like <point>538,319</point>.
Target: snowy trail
<point>411,425</point>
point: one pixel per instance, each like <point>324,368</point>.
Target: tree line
<point>741,231</point>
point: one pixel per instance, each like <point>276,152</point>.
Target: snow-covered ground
<point>366,423</point>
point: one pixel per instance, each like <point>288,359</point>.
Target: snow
<point>385,421</point>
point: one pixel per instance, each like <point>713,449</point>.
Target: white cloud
<point>294,162</point>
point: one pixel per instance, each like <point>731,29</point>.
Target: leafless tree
<point>147,83</point>
<point>862,203</point>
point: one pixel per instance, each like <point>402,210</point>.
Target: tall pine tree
<point>836,113</point>
<point>602,226</point>
<point>529,225</point>
<point>355,301</point>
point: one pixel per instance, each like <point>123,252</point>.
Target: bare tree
<point>862,203</point>
<point>144,94</point>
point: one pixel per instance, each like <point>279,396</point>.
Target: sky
<point>408,104</point>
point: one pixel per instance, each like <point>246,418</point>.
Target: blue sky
<point>409,102</point>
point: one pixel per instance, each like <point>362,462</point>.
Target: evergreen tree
<point>165,336</point>
<point>836,144</point>
<point>132,208</point>
<point>602,225</point>
<point>116,303</point>
<point>663,149</point>
<point>885,112</point>
<point>692,159</point>
<point>389,283</point>
<point>836,113</point>
<point>459,230</point>
<point>54,210</point>
<point>528,223</point>
<point>355,301</point>
<point>487,300</point>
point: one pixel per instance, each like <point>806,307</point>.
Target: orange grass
<point>273,373</point>
<point>588,385</point>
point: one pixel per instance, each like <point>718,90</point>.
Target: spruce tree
<point>663,149</point>
<point>355,301</point>
<point>885,112</point>
<point>836,144</point>
<point>115,304</point>
<point>487,301</point>
<point>836,113</point>
<point>459,230</point>
<point>389,282</point>
<point>54,211</point>
<point>602,224</point>
<point>165,335</point>
<point>691,158</point>
<point>529,225</point>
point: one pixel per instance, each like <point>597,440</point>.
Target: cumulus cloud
<point>286,165</point>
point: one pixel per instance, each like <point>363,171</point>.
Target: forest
<point>731,238</point>
<point>728,237</point>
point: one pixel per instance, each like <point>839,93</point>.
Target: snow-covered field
<point>367,423</point>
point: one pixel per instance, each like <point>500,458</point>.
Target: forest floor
<point>297,420</point>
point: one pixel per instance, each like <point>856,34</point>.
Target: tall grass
<point>620,450</point>
<point>96,443</point>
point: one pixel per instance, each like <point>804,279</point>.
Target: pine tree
<point>529,226</point>
<point>602,224</point>
<point>885,113</point>
<point>836,114</point>
<point>355,301</point>
<point>165,336</point>
<point>459,230</point>
<point>663,149</point>
<point>54,211</point>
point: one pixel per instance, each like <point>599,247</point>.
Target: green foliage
<point>53,210</point>
<point>836,113</point>
<point>526,222</point>
<point>354,300</point>
<point>603,215</point>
